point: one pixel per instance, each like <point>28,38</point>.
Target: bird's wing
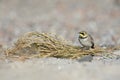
<point>92,41</point>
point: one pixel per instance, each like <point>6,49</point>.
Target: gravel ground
<point>101,18</point>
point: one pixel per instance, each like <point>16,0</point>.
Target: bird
<point>86,40</point>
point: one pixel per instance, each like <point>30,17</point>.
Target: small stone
<point>87,58</point>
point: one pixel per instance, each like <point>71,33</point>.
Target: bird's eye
<point>82,33</point>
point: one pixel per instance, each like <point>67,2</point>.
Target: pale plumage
<point>86,40</point>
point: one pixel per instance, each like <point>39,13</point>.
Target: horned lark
<point>86,40</point>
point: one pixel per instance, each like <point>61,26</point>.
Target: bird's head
<point>83,34</point>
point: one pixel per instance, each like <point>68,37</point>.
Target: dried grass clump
<point>35,44</point>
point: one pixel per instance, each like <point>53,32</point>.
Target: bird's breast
<point>85,42</point>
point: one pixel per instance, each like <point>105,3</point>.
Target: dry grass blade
<point>34,44</point>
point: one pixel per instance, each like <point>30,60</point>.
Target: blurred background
<point>100,18</point>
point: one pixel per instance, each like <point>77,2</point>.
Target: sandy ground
<point>57,69</point>
<point>101,18</point>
